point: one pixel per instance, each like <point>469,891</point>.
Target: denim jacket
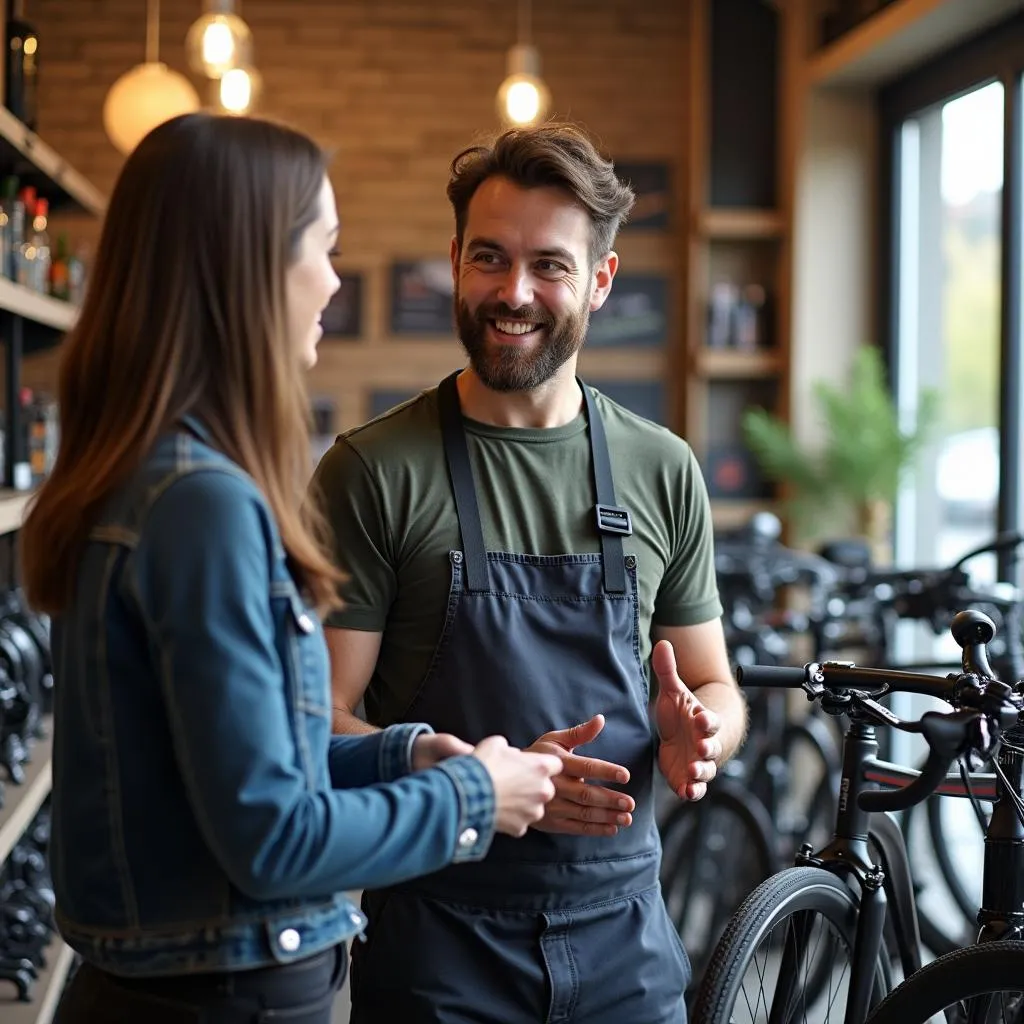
<point>204,818</point>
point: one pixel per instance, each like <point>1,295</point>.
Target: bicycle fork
<point>867,946</point>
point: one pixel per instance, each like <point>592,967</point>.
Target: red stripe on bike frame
<point>983,786</point>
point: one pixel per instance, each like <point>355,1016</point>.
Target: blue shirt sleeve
<point>374,757</point>
<point>202,574</point>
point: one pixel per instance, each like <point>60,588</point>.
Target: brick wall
<point>395,87</point>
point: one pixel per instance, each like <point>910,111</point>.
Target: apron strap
<point>613,522</point>
<point>456,451</point>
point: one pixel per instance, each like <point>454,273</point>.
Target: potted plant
<point>852,478</point>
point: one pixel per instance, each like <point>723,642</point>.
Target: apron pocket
<point>631,963</point>
<point>438,962</point>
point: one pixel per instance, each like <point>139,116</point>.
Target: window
<point>950,180</point>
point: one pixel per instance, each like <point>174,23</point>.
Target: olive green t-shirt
<point>388,499</point>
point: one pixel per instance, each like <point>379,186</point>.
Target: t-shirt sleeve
<point>351,502</point>
<point>689,589</point>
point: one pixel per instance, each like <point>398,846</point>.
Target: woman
<point>205,824</point>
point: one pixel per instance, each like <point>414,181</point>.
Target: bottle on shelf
<point>22,467</point>
<point>41,416</point>
<point>39,272</point>
<point>21,73</point>
<point>25,252</point>
<point>14,211</point>
<point>59,284</point>
<point>77,274</point>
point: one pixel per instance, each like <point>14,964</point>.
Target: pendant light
<point>238,90</point>
<point>218,41</point>
<point>147,95</point>
<point>523,98</point>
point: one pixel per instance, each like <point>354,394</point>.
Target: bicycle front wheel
<point>981,984</point>
<point>786,955</point>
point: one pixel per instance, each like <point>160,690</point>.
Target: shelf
<point>737,363</point>
<point>40,309</point>
<point>23,153</point>
<point>731,513</point>
<point>899,37</point>
<point>12,509</point>
<point>741,224</point>
<point>22,802</point>
<point>46,990</point>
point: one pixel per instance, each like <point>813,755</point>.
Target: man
<point>511,539</point>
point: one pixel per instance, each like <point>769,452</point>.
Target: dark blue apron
<point>547,928</point>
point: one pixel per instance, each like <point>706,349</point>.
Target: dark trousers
<point>297,993</point>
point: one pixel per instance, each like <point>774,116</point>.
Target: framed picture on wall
<point>652,183</point>
<point>635,314</point>
<point>422,292</point>
<point>343,317</point>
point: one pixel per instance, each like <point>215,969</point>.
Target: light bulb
<point>218,42</point>
<point>522,102</point>
<point>238,90</point>
<point>142,98</point>
<point>218,45</point>
<point>523,98</point>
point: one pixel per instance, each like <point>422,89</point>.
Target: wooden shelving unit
<point>731,363</point>
<point>40,309</point>
<point>25,154</point>
<point>740,224</point>
<point>738,234</point>
<point>29,317</point>
<point>13,505</point>
<point>899,36</point>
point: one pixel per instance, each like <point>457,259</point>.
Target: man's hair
<point>555,155</point>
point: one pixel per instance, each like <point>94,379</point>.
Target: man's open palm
<point>689,752</point>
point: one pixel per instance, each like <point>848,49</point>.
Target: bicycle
<point>859,884</point>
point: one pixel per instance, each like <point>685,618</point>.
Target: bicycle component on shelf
<point>871,912</point>
<point>26,909</point>
<point>26,683</point>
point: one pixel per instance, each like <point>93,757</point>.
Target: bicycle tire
<point>789,892</point>
<point>963,974</point>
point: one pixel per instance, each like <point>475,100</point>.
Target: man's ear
<point>601,283</point>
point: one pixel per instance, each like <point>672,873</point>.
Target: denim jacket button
<point>305,623</point>
<point>468,837</point>
<point>290,940</point>
<point>356,919</point>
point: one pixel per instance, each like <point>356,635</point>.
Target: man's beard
<point>512,367</point>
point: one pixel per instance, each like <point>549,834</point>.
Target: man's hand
<point>689,752</point>
<point>579,807</point>
<point>430,748</point>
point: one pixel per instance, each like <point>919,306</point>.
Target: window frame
<point>995,55</point>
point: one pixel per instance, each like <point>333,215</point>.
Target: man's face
<point>524,287</point>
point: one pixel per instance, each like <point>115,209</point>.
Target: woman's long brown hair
<point>185,313</point>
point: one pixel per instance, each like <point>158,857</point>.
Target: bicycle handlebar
<point>948,735</point>
<point>984,706</point>
<point>841,676</point>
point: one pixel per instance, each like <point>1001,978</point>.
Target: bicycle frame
<point>870,847</point>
